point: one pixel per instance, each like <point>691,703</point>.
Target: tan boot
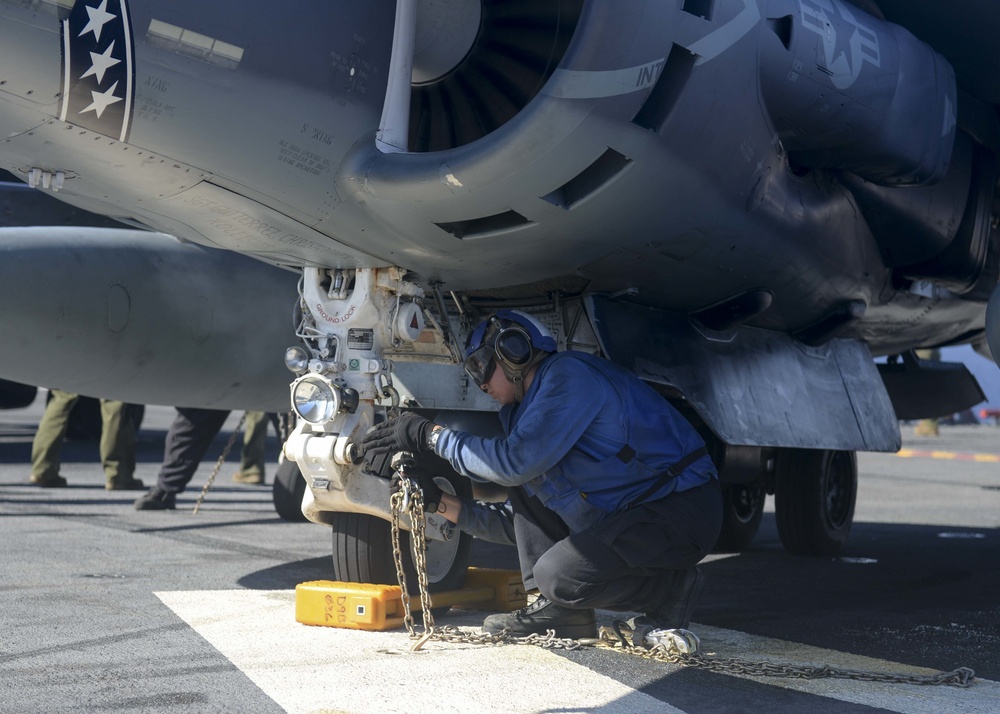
<point>52,482</point>
<point>251,479</point>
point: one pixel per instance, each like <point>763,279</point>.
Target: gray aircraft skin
<point>744,201</point>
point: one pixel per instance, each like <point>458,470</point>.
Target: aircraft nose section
<point>993,324</point>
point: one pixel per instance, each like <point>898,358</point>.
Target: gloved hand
<point>424,479</point>
<point>407,432</point>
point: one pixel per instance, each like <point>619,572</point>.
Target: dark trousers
<point>635,560</point>
<point>188,438</point>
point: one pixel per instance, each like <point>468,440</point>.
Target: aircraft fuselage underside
<point>690,159</point>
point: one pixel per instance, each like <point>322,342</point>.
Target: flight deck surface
<point>108,608</point>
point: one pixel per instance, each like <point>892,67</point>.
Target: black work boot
<point>676,612</point>
<point>156,499</point>
<point>543,615</point>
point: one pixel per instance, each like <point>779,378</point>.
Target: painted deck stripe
<point>309,669</point>
<point>306,669</point>
<point>950,455</point>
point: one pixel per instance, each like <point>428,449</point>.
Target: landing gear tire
<point>287,491</point>
<point>815,493</point>
<point>742,510</point>
<point>362,548</point>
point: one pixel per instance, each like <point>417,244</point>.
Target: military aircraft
<point>743,201</point>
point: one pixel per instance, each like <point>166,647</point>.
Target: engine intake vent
<point>519,45</point>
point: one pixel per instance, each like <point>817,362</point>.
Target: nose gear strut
<point>351,319</point>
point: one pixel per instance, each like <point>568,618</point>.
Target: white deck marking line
<point>306,669</point>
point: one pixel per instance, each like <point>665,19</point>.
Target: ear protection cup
<point>513,346</point>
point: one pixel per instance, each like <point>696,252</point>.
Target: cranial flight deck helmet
<point>514,340</point>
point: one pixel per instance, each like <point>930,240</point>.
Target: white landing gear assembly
<point>353,323</point>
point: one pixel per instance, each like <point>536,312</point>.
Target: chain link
<point>961,677</point>
<point>409,500</point>
<point>218,464</point>
<point>286,425</point>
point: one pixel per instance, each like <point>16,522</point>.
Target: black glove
<point>424,479</point>
<point>379,465</point>
<point>407,432</point>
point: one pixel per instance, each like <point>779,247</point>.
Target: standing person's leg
<point>187,440</point>
<point>252,457</point>
<point>118,446</point>
<point>48,440</point>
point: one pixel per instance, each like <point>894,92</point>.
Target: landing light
<point>297,360</point>
<point>315,399</point>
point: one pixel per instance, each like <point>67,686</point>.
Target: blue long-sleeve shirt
<point>493,522</point>
<point>588,439</point>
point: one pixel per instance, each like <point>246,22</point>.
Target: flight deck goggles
<point>481,363</point>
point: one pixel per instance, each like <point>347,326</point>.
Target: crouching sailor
<point>613,499</point>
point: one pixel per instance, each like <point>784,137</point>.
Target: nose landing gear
<point>353,321</point>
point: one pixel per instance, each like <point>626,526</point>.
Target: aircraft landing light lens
<point>296,359</point>
<point>315,401</point>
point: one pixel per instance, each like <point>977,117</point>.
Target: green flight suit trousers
<point>117,447</point>
<point>254,439</point>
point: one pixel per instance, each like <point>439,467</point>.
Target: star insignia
<point>101,63</point>
<point>99,17</point>
<point>102,100</point>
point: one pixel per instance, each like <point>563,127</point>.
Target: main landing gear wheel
<point>742,510</point>
<point>815,492</point>
<point>362,545</point>
<point>287,491</point>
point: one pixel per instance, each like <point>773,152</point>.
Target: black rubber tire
<point>287,491</point>
<point>362,548</point>
<point>362,553</point>
<point>742,511</point>
<point>815,493</point>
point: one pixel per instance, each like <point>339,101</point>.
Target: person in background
<point>117,446</point>
<point>928,427</point>
<point>252,457</point>
<point>188,438</point>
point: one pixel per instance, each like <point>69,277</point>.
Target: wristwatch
<point>432,437</point>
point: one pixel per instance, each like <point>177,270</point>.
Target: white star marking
<point>102,100</point>
<point>99,17</point>
<point>101,64</point>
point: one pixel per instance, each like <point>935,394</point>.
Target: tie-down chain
<point>408,499</point>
